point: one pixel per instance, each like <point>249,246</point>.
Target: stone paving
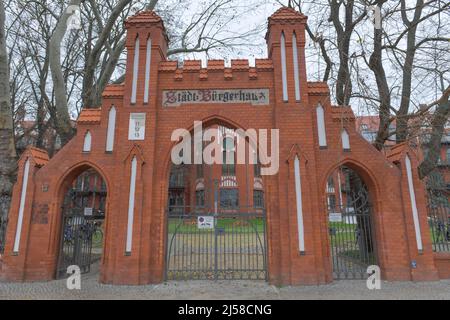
<point>241,290</point>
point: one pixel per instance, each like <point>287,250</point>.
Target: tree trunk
<point>376,65</point>
<point>63,125</point>
<point>8,153</point>
<point>440,119</point>
<point>402,119</point>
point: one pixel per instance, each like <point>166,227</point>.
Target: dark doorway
<point>350,225</point>
<point>83,216</point>
<point>216,220</point>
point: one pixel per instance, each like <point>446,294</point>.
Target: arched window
<point>200,198</point>
<point>229,198</point>
<point>321,126</point>
<point>258,199</point>
<point>229,163</point>
<point>147,70</point>
<point>298,191</point>
<point>284,68</point>
<point>331,185</point>
<point>87,147</point>
<point>296,67</point>
<point>131,202</point>
<point>135,72</point>
<point>345,140</point>
<point>23,198</point>
<point>111,130</point>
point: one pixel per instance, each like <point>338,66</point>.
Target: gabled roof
<point>113,90</point>
<point>40,156</point>
<point>395,153</point>
<point>90,116</point>
<point>287,14</point>
<point>146,16</point>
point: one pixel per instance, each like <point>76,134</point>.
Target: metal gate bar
<point>3,224</point>
<point>439,218</point>
<point>234,249</point>
<point>350,226</point>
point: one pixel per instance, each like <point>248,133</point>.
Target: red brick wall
<point>297,123</point>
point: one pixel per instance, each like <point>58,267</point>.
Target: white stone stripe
<point>87,146</point>
<point>110,137</point>
<point>147,71</point>
<point>415,212</point>
<point>296,68</point>
<point>284,68</point>
<point>345,140</point>
<point>23,198</point>
<point>131,205</point>
<point>298,192</point>
<point>321,126</point>
<point>135,72</point>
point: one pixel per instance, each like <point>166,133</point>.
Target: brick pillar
<point>419,241</point>
<point>293,116</point>
<point>19,225</point>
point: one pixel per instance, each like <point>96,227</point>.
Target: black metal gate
<point>439,211</point>
<point>351,236</point>
<point>76,247</point>
<point>216,243</point>
<point>83,217</point>
<point>3,224</point>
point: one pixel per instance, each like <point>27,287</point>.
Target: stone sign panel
<point>137,127</point>
<point>176,98</point>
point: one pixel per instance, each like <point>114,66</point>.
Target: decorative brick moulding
<point>103,143</point>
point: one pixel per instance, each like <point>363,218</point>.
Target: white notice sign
<point>207,223</point>
<point>336,217</point>
<point>137,127</point>
<point>88,212</point>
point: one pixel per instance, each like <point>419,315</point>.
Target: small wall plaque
<point>137,127</point>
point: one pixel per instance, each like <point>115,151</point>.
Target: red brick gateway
<point>127,142</point>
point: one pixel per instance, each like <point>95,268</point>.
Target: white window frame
<point>87,145</point>
<point>322,133</point>
<point>284,68</point>
<point>23,197</point>
<point>135,71</point>
<point>296,68</point>
<point>110,137</point>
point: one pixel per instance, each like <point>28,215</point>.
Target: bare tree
<point>105,43</point>
<point>388,71</point>
<point>440,119</point>
<point>8,154</point>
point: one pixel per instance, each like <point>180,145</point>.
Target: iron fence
<point>352,245</point>
<point>439,219</point>
<point>216,244</point>
<point>3,224</point>
<point>81,241</point>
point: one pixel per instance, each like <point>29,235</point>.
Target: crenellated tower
<point>286,46</point>
<point>146,44</point>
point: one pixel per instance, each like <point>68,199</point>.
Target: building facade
<point>368,126</point>
<point>162,220</point>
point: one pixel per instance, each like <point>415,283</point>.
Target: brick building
<point>368,126</point>
<point>219,221</point>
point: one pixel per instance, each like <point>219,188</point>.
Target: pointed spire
<point>287,14</point>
